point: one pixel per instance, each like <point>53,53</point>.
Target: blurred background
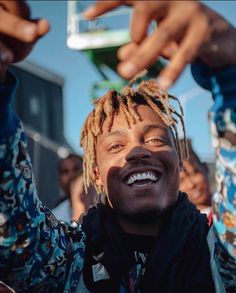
<point>57,85</point>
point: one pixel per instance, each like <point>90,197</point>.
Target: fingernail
<point>164,83</point>
<point>129,69</point>
<point>89,12</point>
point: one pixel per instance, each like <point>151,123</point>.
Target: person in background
<point>75,201</point>
<point>81,200</point>
<point>195,182</point>
<point>68,169</point>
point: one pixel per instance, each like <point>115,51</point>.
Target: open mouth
<point>143,178</point>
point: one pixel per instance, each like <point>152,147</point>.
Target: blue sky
<point>52,53</point>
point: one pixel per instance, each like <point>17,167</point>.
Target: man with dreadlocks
<point>144,235</point>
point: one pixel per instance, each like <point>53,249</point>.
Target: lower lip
<point>196,195</point>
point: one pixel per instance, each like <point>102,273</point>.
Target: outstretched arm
<point>222,119</point>
<point>35,249</point>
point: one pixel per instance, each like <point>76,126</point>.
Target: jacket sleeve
<point>222,119</point>
<point>37,252</point>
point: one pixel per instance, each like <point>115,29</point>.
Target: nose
<point>191,184</point>
<point>138,153</point>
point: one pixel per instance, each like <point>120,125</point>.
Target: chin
<point>144,215</point>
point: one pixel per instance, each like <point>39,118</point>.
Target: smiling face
<point>138,167</point>
<point>68,170</point>
<point>194,181</point>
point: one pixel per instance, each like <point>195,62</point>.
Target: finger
<point>187,52</point>
<point>100,8</point>
<point>43,27</point>
<point>150,49</point>
<point>20,8</point>
<point>17,27</point>
<point>126,51</point>
<point>169,50</point>
<point>6,55</point>
<point>140,20</point>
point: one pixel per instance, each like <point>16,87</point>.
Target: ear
<point>97,176</point>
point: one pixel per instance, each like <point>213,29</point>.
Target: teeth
<point>142,176</point>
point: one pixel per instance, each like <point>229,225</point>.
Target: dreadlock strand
<point>123,110</point>
<point>150,86</point>
<point>175,140</point>
<point>166,108</point>
<point>93,124</point>
<point>180,116</point>
<point>151,89</point>
<point>87,136</point>
<point>179,148</point>
<point>136,77</point>
<point>153,106</point>
<point>179,104</point>
<point>129,110</point>
<point>127,91</point>
<point>91,159</point>
<point>86,164</point>
<point>83,132</point>
<point>132,111</point>
<point>99,114</point>
<point>109,110</point>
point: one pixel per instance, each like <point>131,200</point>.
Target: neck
<point>152,229</point>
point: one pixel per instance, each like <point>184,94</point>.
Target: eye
<point>115,147</point>
<point>65,171</point>
<point>154,141</point>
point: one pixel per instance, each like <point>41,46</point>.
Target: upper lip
<point>141,169</point>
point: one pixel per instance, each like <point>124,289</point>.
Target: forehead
<point>71,161</point>
<point>191,167</point>
<point>149,119</point>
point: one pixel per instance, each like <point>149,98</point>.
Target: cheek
<point>201,181</point>
<point>103,174</point>
<point>170,160</point>
<point>109,166</point>
<point>64,179</point>
<point>174,170</point>
<point>198,178</point>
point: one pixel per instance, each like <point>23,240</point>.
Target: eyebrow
<point>116,133</point>
<point>146,129</point>
<point>154,126</point>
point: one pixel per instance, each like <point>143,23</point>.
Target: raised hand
<point>186,30</point>
<point>18,33</point>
